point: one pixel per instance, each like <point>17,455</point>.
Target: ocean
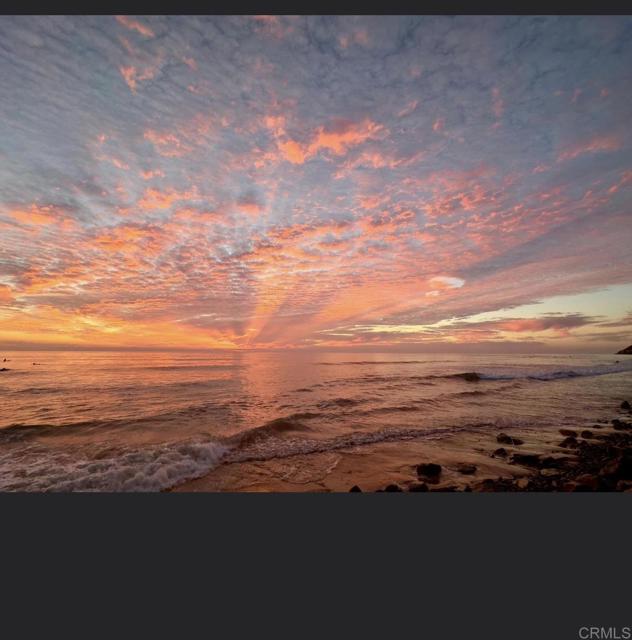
<point>146,421</point>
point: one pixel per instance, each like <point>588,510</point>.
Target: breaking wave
<point>148,469</point>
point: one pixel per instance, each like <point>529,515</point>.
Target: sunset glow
<point>316,182</point>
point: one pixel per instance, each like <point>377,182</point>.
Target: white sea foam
<point>35,468</point>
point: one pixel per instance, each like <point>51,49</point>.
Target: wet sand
<point>533,460</point>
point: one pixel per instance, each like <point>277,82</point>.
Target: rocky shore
<point>593,456</point>
<point>596,459</point>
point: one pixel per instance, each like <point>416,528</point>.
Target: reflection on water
<point>71,408</point>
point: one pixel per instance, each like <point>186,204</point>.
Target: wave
<point>365,362</point>
<point>543,374</point>
<point>149,469</point>
<point>191,367</point>
<point>272,448</point>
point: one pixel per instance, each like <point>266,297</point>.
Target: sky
<point>344,182</point>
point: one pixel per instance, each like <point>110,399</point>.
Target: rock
<point>450,488</point>
<point>429,470</point>
<point>503,438</point>
<point>619,425</point>
<point>625,405</point>
<point>554,463</point>
<point>586,434</point>
<point>355,489</point>
<point>501,453</point>
<point>418,488</point>
<point>586,482</point>
<point>569,443</point>
<point>392,488</point>
<point>626,351</point>
<point>466,469</point>
<point>527,459</point>
<point>547,473</point>
<point>522,483</point>
<point>618,469</point>
<point>470,376</point>
<point>5,369</point>
<point>568,432</point>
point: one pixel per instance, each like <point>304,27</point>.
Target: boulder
<point>4,369</point>
<point>501,453</point>
<point>522,483</point>
<point>586,482</point>
<point>619,425</point>
<point>391,488</point>
<point>618,469</point>
<point>625,405</point>
<point>355,489</point>
<point>626,351</point>
<point>586,434</point>
<point>429,470</point>
<point>569,443</point>
<point>418,488</point>
<point>466,469</point>
<point>503,438</point>
<point>526,459</point>
<point>554,463</point>
<point>568,432</point>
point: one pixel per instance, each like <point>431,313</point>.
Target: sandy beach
<point>551,459</point>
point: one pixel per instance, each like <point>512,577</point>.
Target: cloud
<point>295,180</point>
<point>134,25</point>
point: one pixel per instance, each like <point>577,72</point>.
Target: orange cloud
<point>133,76</point>
<point>293,152</point>
<point>599,144</point>
<point>155,199</point>
<point>338,137</point>
<point>36,215</point>
<point>134,25</point>
<point>167,144</point>
<point>6,293</point>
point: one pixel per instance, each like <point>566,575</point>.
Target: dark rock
<point>527,459</point>
<point>466,469</point>
<point>501,452</point>
<point>587,482</point>
<point>392,488</point>
<point>355,489</point>
<point>586,434</point>
<point>449,488</point>
<point>470,376</point>
<point>569,443</point>
<point>568,432</point>
<point>618,469</point>
<point>625,405</point>
<point>619,425</point>
<point>4,369</point>
<point>503,438</point>
<point>627,350</point>
<point>429,470</point>
<point>554,463</point>
<point>418,488</point>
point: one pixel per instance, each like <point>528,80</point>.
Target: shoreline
<point>595,457</point>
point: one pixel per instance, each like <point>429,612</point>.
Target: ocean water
<point>122,421</point>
